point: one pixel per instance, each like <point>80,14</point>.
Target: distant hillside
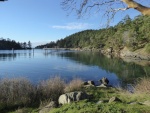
<point>133,34</point>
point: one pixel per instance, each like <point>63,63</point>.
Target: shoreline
<point>139,57</point>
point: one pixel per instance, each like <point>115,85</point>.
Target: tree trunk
<point>132,4</point>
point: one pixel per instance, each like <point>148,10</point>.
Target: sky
<point>42,21</point>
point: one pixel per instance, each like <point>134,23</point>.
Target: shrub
<point>51,89</point>
<point>74,85</point>
<point>14,92</point>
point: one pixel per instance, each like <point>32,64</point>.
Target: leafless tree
<point>106,7</point>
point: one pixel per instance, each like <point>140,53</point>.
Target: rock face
<point>136,55</point>
<point>72,96</point>
<point>104,81</point>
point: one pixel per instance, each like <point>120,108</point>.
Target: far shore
<point>125,55</point>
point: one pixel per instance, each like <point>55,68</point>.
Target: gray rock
<point>85,83</point>
<point>91,83</point>
<point>104,81</point>
<point>132,103</point>
<point>71,97</point>
<point>102,86</point>
<point>48,107</point>
<point>113,99</point>
<point>99,102</point>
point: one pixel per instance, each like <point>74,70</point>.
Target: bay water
<point>38,64</point>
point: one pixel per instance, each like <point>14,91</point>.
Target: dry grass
<point>143,85</point>
<point>51,89</point>
<point>74,85</point>
<point>18,91</point>
<point>141,91</point>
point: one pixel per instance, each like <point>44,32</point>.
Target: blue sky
<point>42,21</point>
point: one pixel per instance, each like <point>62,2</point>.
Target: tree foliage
<point>133,34</point>
<point>8,44</point>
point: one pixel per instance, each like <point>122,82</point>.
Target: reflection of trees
<point>125,71</point>
<point>8,56</point>
<point>5,57</point>
<point>50,52</point>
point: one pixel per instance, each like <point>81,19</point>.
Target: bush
<point>20,92</point>
<point>51,89</point>
<point>74,85</point>
<point>14,92</point>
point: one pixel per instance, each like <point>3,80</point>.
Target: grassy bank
<point>21,96</point>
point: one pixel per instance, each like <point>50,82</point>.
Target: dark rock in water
<point>104,81</point>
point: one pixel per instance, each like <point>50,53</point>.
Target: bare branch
<point>107,8</point>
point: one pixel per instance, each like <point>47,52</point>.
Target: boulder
<point>71,97</point>
<point>91,83</point>
<point>113,99</point>
<point>88,83</point>
<point>104,81</point>
<point>102,86</point>
<point>85,83</point>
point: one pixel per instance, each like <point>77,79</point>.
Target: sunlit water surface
<point>37,65</point>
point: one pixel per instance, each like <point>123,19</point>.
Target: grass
<point>143,85</point>
<point>147,48</point>
<point>20,96</point>
<point>104,94</point>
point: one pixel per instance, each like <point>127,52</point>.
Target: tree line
<point>133,34</point>
<point>8,44</point>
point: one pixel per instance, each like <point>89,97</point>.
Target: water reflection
<point>127,72</point>
<point>10,55</point>
<point>40,64</point>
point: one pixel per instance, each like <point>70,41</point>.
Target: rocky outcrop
<point>71,97</point>
<point>137,55</point>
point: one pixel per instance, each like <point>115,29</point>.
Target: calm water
<point>39,65</point>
